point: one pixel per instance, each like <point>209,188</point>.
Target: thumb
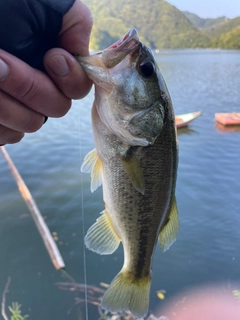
<point>76,28</point>
<point>66,73</point>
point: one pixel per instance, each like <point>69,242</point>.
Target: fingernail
<point>4,70</point>
<point>58,65</point>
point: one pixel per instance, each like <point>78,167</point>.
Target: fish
<point>135,160</point>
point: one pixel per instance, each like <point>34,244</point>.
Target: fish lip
<point>126,41</point>
<point>114,54</point>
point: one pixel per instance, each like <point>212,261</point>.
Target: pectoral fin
<point>101,237</point>
<point>134,172</point>
<point>169,232</point>
<point>92,163</point>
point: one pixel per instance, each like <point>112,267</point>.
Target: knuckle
<point>9,136</point>
<point>2,99</point>
<point>34,123</point>
<point>16,137</point>
<point>18,117</point>
<point>27,89</point>
<point>63,108</point>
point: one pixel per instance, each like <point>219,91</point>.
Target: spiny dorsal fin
<point>134,172</point>
<point>101,237</point>
<point>169,232</point>
<point>92,163</point>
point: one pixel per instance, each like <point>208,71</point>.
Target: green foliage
<point>15,310</point>
<point>208,24</point>
<point>227,35</point>
<point>160,25</point>
<point>228,40</point>
<point>225,27</point>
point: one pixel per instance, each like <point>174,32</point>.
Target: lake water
<point>207,249</point>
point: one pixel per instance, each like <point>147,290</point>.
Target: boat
<point>228,118</point>
<point>182,120</point>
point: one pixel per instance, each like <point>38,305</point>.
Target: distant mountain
<point>228,40</point>
<point>160,24</point>
<point>225,33</point>
<point>226,27</point>
<point>208,23</point>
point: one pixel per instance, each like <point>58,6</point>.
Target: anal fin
<point>169,232</point>
<point>101,237</point>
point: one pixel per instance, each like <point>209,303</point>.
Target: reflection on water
<point>224,129</point>
<point>186,130</point>
<point>208,195</point>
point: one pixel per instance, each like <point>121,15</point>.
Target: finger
<point>31,87</point>
<point>8,136</point>
<point>73,37</point>
<point>17,117</point>
<point>67,74</point>
<point>76,28</point>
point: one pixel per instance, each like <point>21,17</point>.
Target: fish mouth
<point>120,49</point>
<point>128,39</point>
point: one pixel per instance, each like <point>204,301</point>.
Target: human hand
<point>27,95</point>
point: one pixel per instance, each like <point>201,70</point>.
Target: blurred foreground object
<point>206,303</point>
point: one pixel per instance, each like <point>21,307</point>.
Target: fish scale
<point>135,159</point>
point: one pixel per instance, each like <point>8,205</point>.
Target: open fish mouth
<point>120,49</point>
<point>126,40</point>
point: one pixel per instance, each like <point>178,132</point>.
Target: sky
<point>209,8</point>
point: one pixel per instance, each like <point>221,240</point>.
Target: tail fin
<point>125,293</point>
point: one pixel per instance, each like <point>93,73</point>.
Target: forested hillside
<point>228,40</point>
<point>226,27</point>
<point>208,24</point>
<point>160,25</point>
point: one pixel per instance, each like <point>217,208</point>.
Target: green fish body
<point>135,160</point>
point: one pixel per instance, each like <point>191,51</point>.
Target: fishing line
<point>83,223</point>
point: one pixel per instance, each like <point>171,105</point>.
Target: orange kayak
<point>228,118</point>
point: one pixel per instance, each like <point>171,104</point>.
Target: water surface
<point>208,195</point>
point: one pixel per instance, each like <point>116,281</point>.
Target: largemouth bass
<point>135,160</point>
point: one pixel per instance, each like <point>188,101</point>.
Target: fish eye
<point>147,69</point>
